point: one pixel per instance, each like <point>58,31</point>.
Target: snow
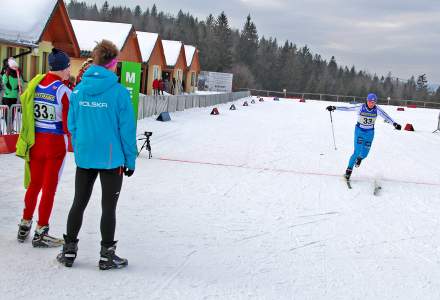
<point>88,33</point>
<point>249,204</point>
<point>147,41</point>
<point>189,54</point>
<point>24,24</point>
<point>172,51</point>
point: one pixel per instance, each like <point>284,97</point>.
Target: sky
<point>379,36</point>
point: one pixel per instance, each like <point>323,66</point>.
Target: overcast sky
<point>380,36</point>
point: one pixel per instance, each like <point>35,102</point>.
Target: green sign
<point>131,79</point>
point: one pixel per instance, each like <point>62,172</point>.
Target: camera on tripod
<point>146,144</point>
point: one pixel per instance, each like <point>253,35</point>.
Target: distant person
<point>174,86</point>
<point>161,86</point>
<point>364,129</point>
<point>155,87</point>
<point>85,65</point>
<point>71,82</point>
<point>12,80</point>
<point>102,124</point>
<point>166,85</point>
<point>42,143</point>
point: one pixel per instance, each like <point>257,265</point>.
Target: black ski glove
<point>128,172</point>
<point>331,108</point>
<point>397,126</point>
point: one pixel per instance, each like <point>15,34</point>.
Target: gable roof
<point>88,33</point>
<point>147,41</point>
<point>189,54</point>
<point>24,23</point>
<point>172,51</point>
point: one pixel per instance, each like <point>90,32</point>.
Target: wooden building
<point>121,34</point>
<point>193,68</point>
<point>175,65</point>
<point>153,59</point>
<point>41,26</point>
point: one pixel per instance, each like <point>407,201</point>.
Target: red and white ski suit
<point>51,105</point>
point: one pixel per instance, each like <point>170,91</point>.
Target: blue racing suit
<point>364,129</point>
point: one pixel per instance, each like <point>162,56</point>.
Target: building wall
<point>156,61</point>
<point>179,68</point>
<point>33,63</point>
<point>193,69</point>
<point>131,51</point>
<point>75,65</point>
<point>60,32</point>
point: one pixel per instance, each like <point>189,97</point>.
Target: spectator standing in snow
<point>161,86</point>
<point>155,87</point>
<point>102,124</point>
<point>12,82</point>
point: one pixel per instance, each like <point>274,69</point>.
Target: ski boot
<point>68,254</point>
<point>42,239</point>
<point>358,162</point>
<point>348,174</point>
<point>109,260</point>
<point>23,230</point>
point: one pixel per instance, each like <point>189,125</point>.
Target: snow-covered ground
<point>250,204</point>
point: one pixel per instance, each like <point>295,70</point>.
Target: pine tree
<point>422,88</point>
<point>258,62</point>
<point>248,44</point>
<point>137,11</point>
<point>105,11</point>
<point>437,95</point>
<point>223,43</point>
<point>154,11</point>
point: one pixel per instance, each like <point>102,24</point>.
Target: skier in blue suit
<point>364,129</point>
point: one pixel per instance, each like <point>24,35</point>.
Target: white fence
<point>341,98</point>
<point>154,105</point>
<point>10,118</point>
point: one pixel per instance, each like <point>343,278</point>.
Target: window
<point>45,63</point>
<point>23,63</point>
<point>9,52</point>
<point>156,72</point>
<point>179,75</point>
<point>193,78</point>
<point>34,65</point>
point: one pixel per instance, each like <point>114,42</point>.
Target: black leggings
<point>111,183</point>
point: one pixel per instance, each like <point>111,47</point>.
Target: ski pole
<point>333,129</point>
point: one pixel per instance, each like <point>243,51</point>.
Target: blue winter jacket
<point>101,122</point>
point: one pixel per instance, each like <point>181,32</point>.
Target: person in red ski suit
<point>50,104</point>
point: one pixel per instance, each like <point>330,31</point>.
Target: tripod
<point>438,125</point>
<point>146,145</point>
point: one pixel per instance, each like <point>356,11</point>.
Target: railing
<point>10,119</point>
<point>154,105</point>
<point>341,98</point>
<point>4,119</point>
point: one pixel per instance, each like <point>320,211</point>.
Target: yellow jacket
<point>26,138</point>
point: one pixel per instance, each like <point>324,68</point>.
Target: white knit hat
<point>12,63</point>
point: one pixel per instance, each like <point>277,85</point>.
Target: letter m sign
<point>130,77</point>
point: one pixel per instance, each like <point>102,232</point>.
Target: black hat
<point>58,60</point>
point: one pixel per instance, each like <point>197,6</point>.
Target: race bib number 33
<point>44,112</point>
<point>366,120</point>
